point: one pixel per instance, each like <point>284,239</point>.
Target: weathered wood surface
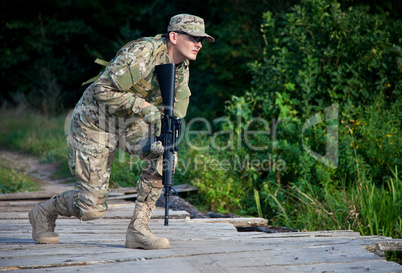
<point>130,193</point>
<point>197,245</point>
<point>60,186</point>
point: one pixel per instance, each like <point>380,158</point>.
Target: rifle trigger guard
<point>172,191</point>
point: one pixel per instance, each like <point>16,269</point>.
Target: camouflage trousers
<point>92,175</point>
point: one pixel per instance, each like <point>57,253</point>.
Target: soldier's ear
<point>173,36</point>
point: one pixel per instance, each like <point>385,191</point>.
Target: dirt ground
<point>42,173</point>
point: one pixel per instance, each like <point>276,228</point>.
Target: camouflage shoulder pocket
<point>125,76</point>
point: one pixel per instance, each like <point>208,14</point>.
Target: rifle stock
<point>171,127</point>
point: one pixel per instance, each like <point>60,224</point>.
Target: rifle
<point>171,128</point>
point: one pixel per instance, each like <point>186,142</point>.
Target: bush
<point>318,56</point>
<point>12,181</point>
<point>326,101</point>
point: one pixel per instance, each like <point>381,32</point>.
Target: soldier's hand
<point>157,148</point>
<point>152,116</point>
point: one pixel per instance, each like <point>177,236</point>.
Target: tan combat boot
<point>139,235</point>
<point>43,220</point>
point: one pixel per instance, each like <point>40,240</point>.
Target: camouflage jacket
<point>113,101</point>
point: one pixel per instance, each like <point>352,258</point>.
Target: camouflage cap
<point>189,24</point>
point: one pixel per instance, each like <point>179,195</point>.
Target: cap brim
<point>209,38</point>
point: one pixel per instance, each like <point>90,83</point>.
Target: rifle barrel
<point>167,208</point>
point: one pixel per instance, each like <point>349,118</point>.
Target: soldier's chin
<point>193,58</point>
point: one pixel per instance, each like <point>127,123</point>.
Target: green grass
<point>31,133</point>
<point>364,207</point>
<point>12,181</point>
<point>28,132</point>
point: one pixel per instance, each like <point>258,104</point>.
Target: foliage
<point>316,56</point>
<point>321,65</point>
<point>48,48</point>
<point>363,206</point>
<point>320,54</point>
<point>214,175</point>
<point>126,170</point>
<point>29,132</point>
<point>308,66</point>
<point>323,69</point>
<point>12,181</point>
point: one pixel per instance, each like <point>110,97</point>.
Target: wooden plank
<point>17,204</point>
<point>237,222</point>
<point>33,195</point>
<point>391,245</point>
<point>115,194</point>
<point>122,197</point>
<point>113,213</point>
<point>130,193</point>
<point>230,255</point>
<point>207,245</point>
<point>395,245</point>
<point>130,190</point>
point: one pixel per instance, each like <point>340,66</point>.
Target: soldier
<point>119,110</point>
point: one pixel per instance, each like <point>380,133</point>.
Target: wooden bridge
<point>197,245</point>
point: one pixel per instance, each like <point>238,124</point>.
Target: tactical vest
<point>147,87</point>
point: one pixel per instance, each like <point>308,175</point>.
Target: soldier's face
<point>188,46</point>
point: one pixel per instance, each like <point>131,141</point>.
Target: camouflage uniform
<point>107,117</point>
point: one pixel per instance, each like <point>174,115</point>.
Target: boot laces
<point>49,218</point>
<point>142,222</point>
<point>51,221</point>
